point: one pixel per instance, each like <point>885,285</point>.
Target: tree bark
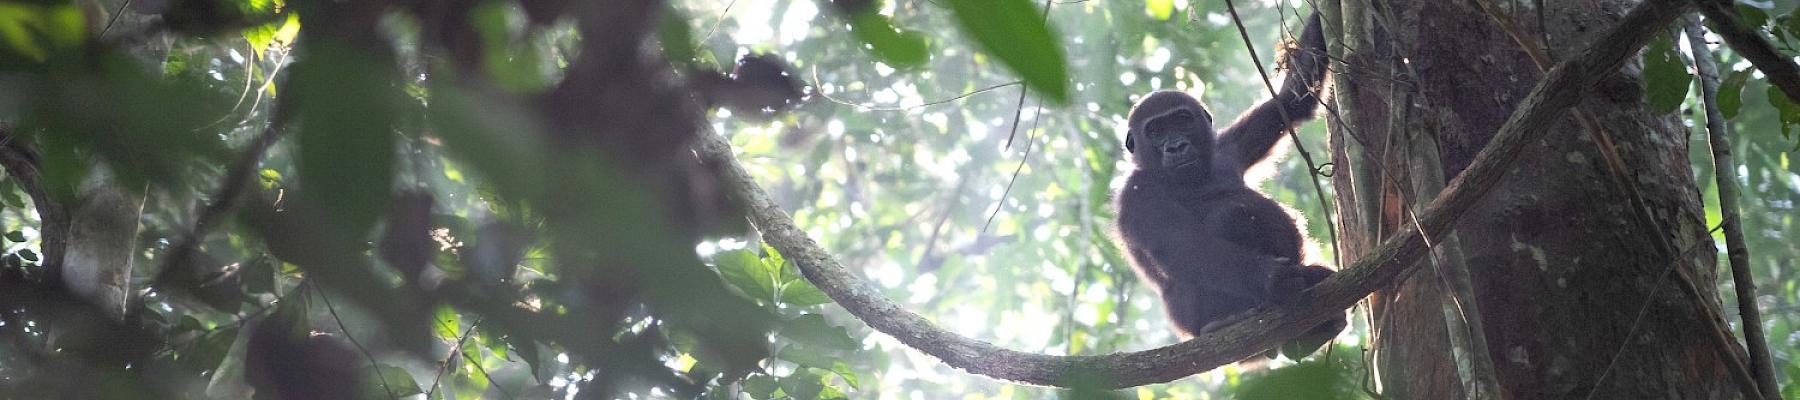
<point>1559,265</point>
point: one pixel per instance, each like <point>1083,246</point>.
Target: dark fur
<point>1211,246</point>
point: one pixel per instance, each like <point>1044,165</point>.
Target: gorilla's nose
<point>1176,148</point>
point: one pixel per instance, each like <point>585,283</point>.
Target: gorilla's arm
<point>1249,138</point>
<point>1180,248</point>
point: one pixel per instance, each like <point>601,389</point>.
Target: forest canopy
<point>567,199</point>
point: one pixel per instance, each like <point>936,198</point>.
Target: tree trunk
<point>1560,265</point>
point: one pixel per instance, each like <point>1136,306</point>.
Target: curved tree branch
<point>1261,329</point>
<point>22,163</point>
<point>1781,70</point>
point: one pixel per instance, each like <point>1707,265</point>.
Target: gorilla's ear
<point>1128,144</point>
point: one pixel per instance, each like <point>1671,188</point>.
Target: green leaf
<point>32,256</point>
<point>282,33</point>
<point>1731,92</point>
<point>1752,16</point>
<point>896,47</point>
<point>208,350</point>
<point>1665,76</point>
<point>399,382</point>
<point>744,270</point>
<point>446,322</point>
<point>843,371</point>
<point>760,386</point>
<point>1160,9</point>
<point>807,356</point>
<point>802,384</point>
<point>347,101</point>
<point>1789,112</point>
<point>496,139</point>
<point>1015,32</point>
<point>493,340</point>
<point>773,257</point>
<point>813,330</point>
<point>677,37</point>
<point>16,236</point>
<point>9,194</point>
<point>33,32</point>
<point>258,275</point>
<point>527,350</point>
<point>511,63</point>
<point>799,292</point>
<point>1308,380</point>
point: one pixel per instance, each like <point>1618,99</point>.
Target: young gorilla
<point>1209,244</point>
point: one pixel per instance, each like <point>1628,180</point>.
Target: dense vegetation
<point>494,199</point>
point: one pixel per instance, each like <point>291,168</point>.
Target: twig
<point>490,378</point>
<point>1318,189</point>
<point>962,182</point>
<point>455,350</point>
<point>720,20</point>
<point>114,18</point>
<point>868,107</point>
<point>359,346</point>
<point>224,199</point>
<point>1643,309</point>
<point>1738,254</point>
<point>1001,202</point>
<point>1019,110</point>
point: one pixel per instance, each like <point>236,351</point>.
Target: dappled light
<point>848,199</point>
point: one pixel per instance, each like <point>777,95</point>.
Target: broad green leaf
<point>1308,380</point>
<point>260,37</point>
<point>282,33</point>
<point>831,393</point>
<point>290,29</point>
<point>795,289</point>
<point>744,270</point>
<point>511,63</point>
<point>807,356</point>
<point>760,386</point>
<point>9,194</point>
<point>28,255</point>
<point>34,31</point>
<point>527,350</point>
<point>494,139</point>
<point>1751,15</point>
<point>894,46</point>
<point>1015,32</point>
<point>493,340</point>
<point>399,382</point>
<point>1731,91</point>
<point>208,350</point>
<point>258,275</point>
<point>813,330</point>
<point>1160,9</point>
<point>799,292</point>
<point>446,323</point>
<point>15,236</point>
<point>773,257</point>
<point>843,371</point>
<point>1665,76</point>
<point>348,104</point>
<point>1788,112</point>
<point>802,385</point>
<point>677,37</point>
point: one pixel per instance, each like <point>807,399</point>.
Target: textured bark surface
<point>1559,267</point>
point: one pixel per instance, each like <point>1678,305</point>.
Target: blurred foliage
<point>431,226</point>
